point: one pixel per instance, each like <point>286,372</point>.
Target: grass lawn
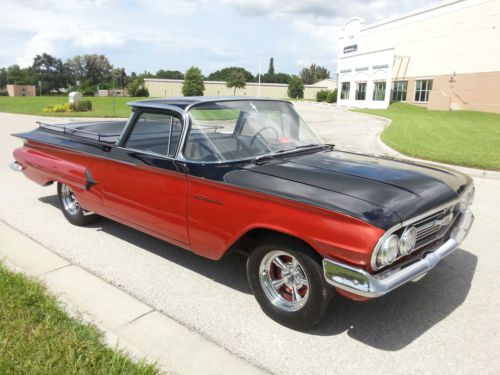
<point>470,139</point>
<point>33,105</point>
<point>37,337</point>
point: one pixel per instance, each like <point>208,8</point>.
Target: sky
<point>150,35</point>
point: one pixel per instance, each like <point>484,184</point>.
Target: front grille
<point>427,226</point>
<point>434,226</point>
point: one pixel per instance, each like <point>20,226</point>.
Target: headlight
<point>408,240</point>
<point>466,200</point>
<point>388,251</point>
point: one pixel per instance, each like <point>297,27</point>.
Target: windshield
<point>234,130</point>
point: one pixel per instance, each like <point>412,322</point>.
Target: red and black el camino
<point>213,175</point>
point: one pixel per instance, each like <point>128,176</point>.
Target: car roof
<point>188,101</point>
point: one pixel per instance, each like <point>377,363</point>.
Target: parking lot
<point>446,323</point>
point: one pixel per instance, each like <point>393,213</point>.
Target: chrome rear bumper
<point>360,282</point>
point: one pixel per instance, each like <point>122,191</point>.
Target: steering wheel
<point>259,134</point>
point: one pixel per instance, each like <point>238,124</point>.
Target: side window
<point>155,132</point>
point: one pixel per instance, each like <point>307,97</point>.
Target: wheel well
<point>246,243</point>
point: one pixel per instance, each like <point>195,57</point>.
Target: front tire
<point>71,208</point>
<point>287,281</point>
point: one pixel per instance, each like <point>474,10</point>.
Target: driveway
<point>446,323</point>
<point>347,130</point>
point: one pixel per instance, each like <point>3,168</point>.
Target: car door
<point>145,187</point>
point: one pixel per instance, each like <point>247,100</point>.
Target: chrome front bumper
<point>360,282</point>
<point>15,166</point>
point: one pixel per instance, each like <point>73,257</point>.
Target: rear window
<point>155,132</point>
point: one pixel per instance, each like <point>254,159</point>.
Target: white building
<point>446,57</point>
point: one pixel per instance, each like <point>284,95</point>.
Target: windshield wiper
<point>267,157</point>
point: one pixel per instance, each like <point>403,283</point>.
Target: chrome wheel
<point>283,280</point>
<point>70,203</point>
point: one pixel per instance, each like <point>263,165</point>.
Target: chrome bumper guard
<point>15,166</point>
<point>360,282</point>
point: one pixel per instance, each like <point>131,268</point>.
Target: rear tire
<point>287,280</point>
<point>71,208</point>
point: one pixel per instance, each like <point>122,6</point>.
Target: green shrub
<point>142,91</point>
<point>332,97</point>
<point>66,107</point>
<point>86,90</point>
<point>137,87</point>
<point>295,88</point>
<point>83,106</point>
<point>322,95</point>
<point>193,82</point>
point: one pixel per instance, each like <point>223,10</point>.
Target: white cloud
<point>55,38</point>
<point>338,9</point>
<point>147,34</point>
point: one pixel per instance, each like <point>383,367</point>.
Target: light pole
<point>113,89</point>
<point>259,80</point>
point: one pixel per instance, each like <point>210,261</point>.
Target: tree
<point>270,70</point>
<point>296,88</point>
<point>193,82</point>
<point>51,72</point>
<point>120,76</point>
<point>137,87</point>
<point>3,78</point>
<point>313,74</point>
<point>225,73</point>
<point>169,74</point>
<point>236,80</point>
<point>90,69</point>
<point>18,76</point>
<point>97,69</point>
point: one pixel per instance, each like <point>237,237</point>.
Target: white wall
<point>353,69</point>
<point>454,36</point>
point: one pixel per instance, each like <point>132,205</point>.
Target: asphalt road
<point>446,323</point>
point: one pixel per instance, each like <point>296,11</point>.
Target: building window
<point>379,90</point>
<point>344,93</point>
<point>399,91</point>
<point>422,89</point>
<point>361,91</point>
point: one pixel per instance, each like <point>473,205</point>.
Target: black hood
<point>379,190</point>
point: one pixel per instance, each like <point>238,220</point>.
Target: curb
<point>127,323</point>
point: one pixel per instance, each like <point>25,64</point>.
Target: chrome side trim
<point>16,167</point>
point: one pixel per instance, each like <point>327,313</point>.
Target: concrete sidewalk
<point>127,322</point>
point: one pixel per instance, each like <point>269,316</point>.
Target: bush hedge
<point>332,97</point>
<point>83,106</point>
<point>328,96</point>
<point>321,95</point>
